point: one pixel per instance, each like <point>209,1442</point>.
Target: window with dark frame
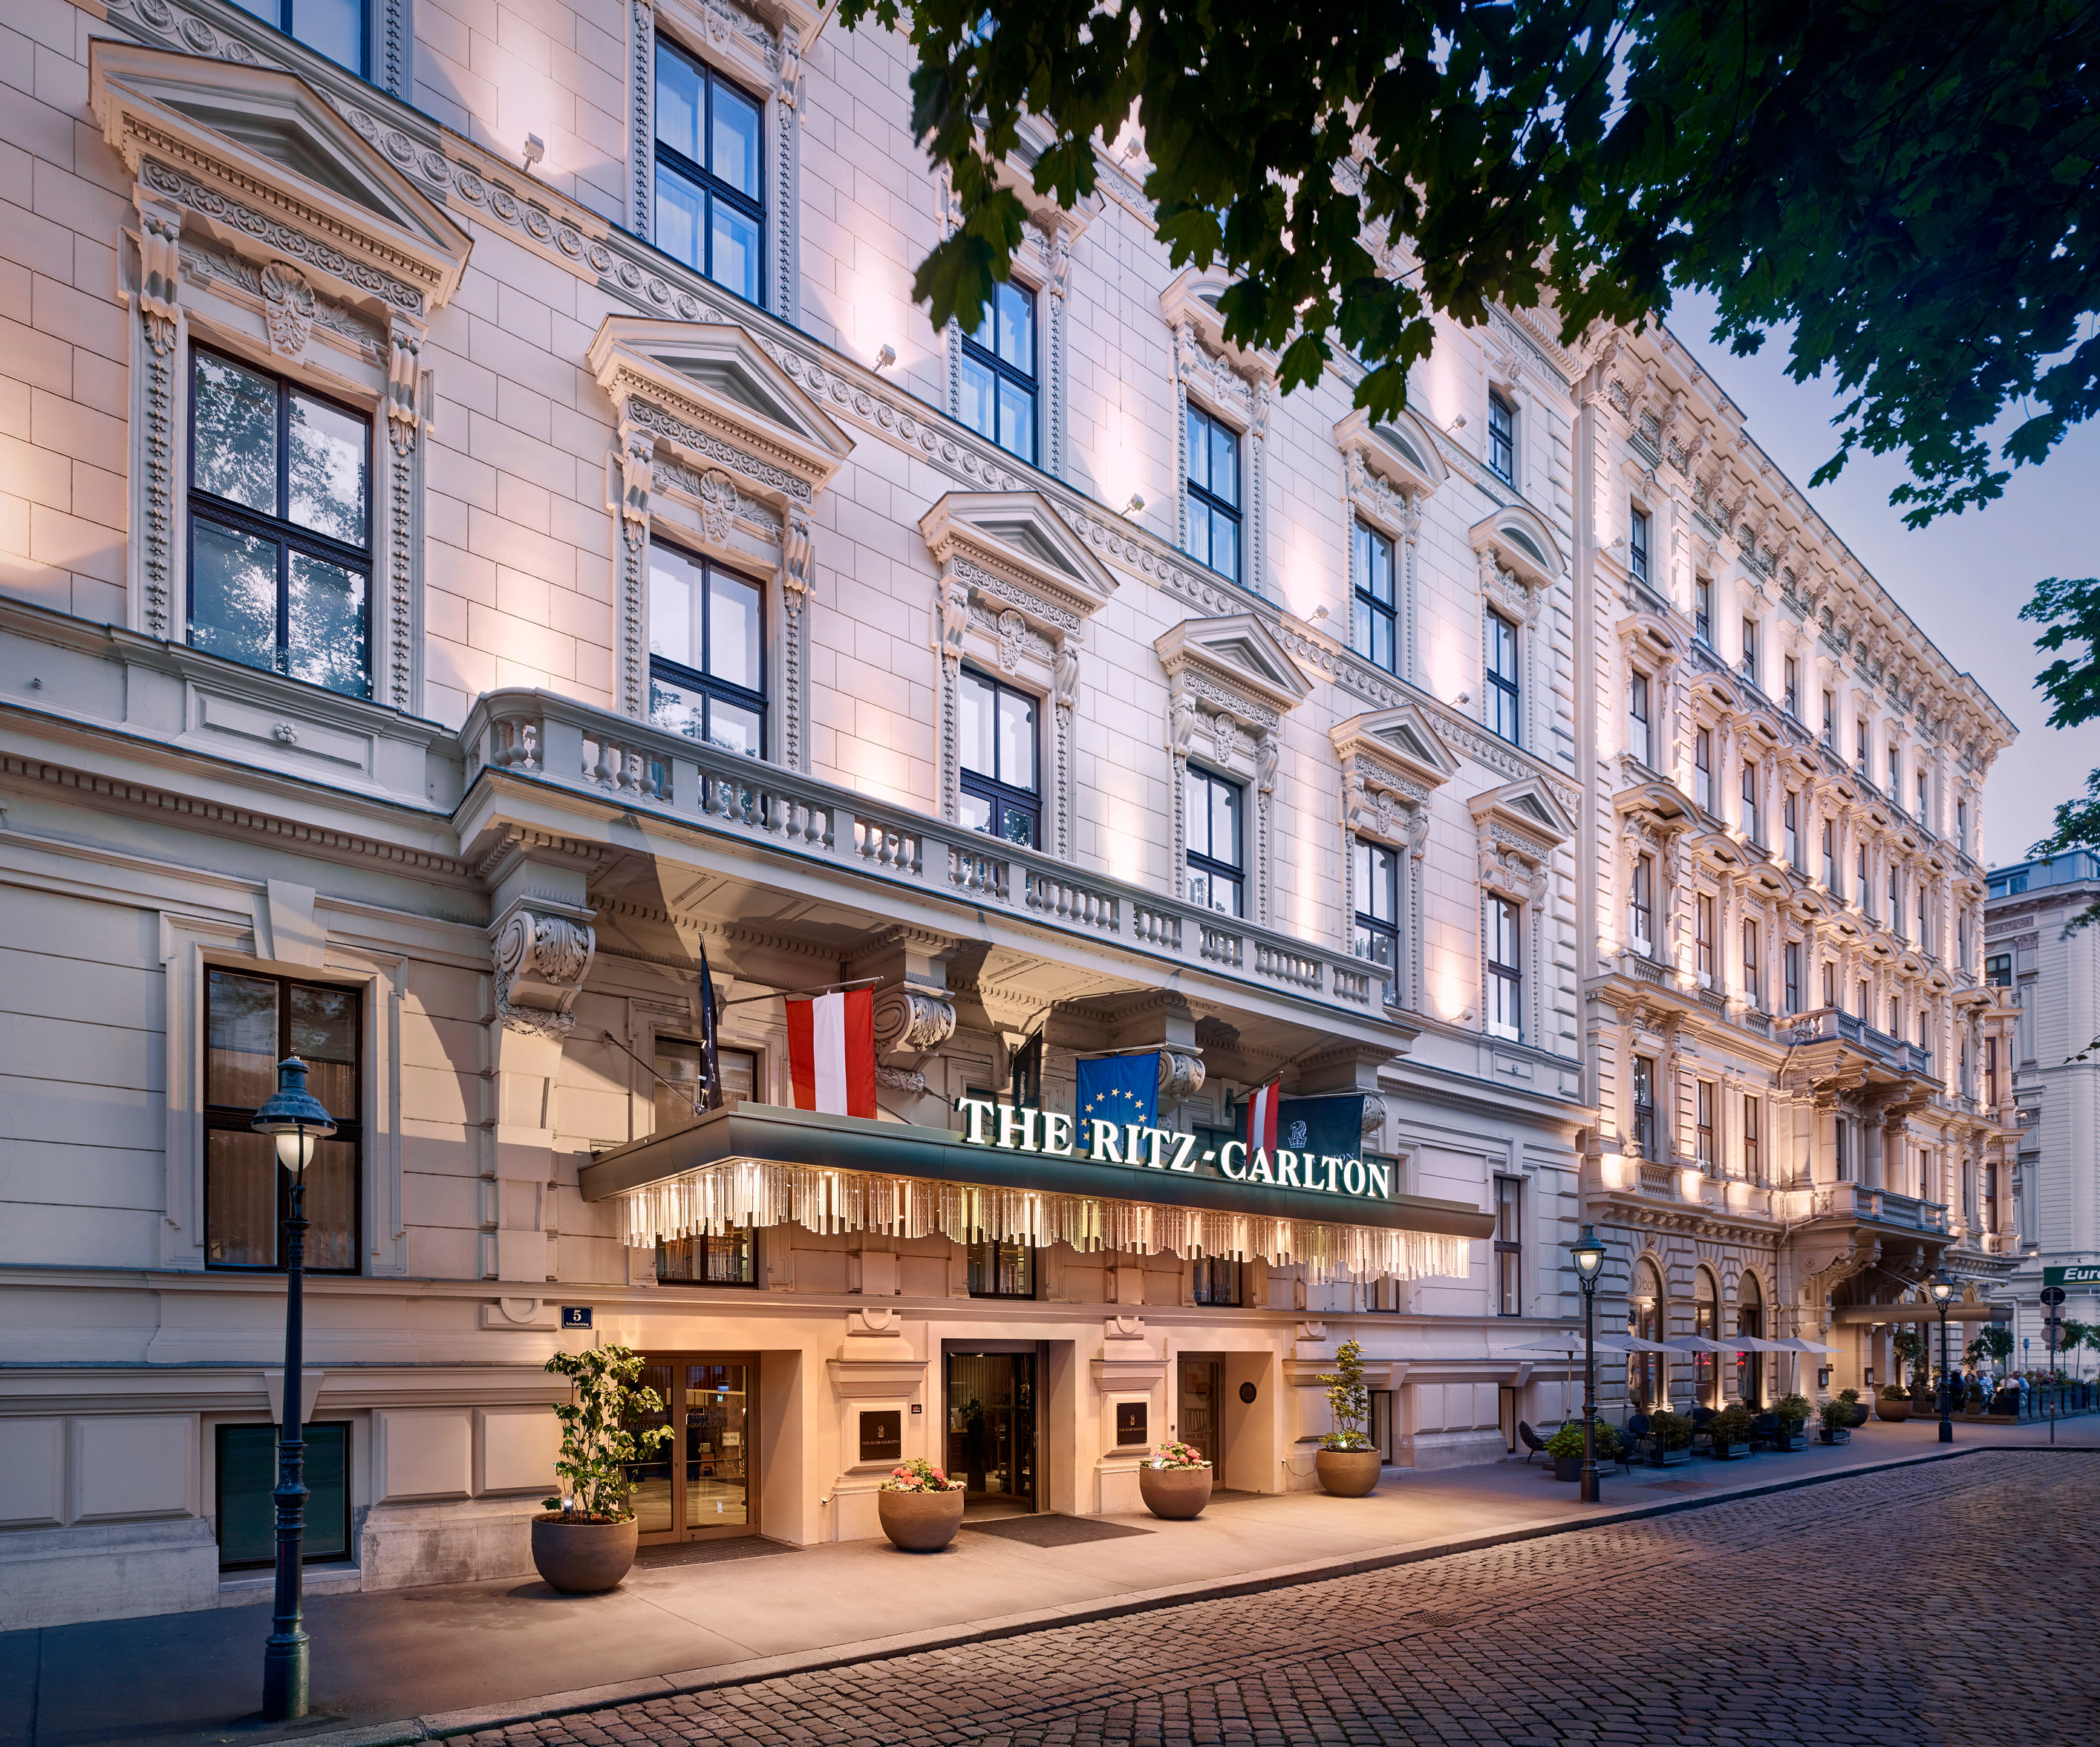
<point>1641,912</point>
<point>338,28</point>
<point>1790,955</point>
<point>709,1258</point>
<point>1502,438</point>
<point>1000,1270</point>
<point>1217,1281</point>
<point>1830,856</point>
<point>1001,760</point>
<point>1998,970</point>
<point>1644,1106</point>
<point>1704,1113</point>
<point>1500,666</point>
<point>1792,697</point>
<point>1702,769</point>
<point>707,652</point>
<point>1640,736</point>
<point>1217,871</point>
<point>1702,609</point>
<point>1377,937</point>
<point>1214,493</point>
<point>1374,614</point>
<point>1505,944</point>
<point>999,375</point>
<point>1749,667</point>
<point>1753,823</point>
<point>1753,1165</point>
<point>678,1061</point>
<point>1702,912</point>
<point>1830,720</point>
<point>1864,894</point>
<point>1790,824</point>
<point>1637,538</point>
<point>252,1022</point>
<point>1753,990</point>
<point>281,527</point>
<point>245,1506</point>
<point>1829,984</point>
<point>1509,1246</point>
<point>1896,903</point>
<point>710,188</point>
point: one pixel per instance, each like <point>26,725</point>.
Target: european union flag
<point>1120,1088</point>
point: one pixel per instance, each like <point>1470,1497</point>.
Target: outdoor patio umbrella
<point>1568,1344</point>
<point>1793,1343</point>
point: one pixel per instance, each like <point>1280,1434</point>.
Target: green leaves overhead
<point>1906,184</point>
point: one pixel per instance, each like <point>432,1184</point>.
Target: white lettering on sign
<point>1018,1128</point>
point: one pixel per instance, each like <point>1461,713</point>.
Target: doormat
<point>708,1552</point>
<point>1054,1531</point>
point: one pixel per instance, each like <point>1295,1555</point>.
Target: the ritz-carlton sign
<point>1017,1128</point>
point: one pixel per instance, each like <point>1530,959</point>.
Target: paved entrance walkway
<point>471,1655</point>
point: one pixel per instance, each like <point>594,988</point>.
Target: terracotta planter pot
<point>921,1522</point>
<point>1178,1494</point>
<point>583,1559</point>
<point>1347,1473</point>
<point>1894,1412</point>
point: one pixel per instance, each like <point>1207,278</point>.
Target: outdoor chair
<point>1530,1439</point>
<point>1764,1430</point>
<point>1700,1416</point>
<point>1640,1429</point>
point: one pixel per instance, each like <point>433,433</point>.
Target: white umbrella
<point>1568,1344</point>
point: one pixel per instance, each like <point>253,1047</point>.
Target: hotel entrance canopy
<point>763,1165</point>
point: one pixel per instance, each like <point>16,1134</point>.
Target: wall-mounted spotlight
<point>535,149</point>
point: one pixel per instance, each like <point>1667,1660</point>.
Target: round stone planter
<point>1178,1494</point>
<point>1861,1412</point>
<point>1894,1412</point>
<point>583,1559</point>
<point>1347,1473</point>
<point>921,1522</point>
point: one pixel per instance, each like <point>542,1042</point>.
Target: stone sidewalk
<point>453,1660</point>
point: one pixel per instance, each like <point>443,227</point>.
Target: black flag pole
<point>711,1098</point>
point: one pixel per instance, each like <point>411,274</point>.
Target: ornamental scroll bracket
<point>541,960</point>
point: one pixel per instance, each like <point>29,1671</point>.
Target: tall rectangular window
<point>1924,800</point>
<point>1792,696</point>
<point>252,1022</point>
<point>1840,1154</point>
<point>1374,609</point>
<point>245,1469</point>
<point>1509,1246</point>
<point>1640,726</point>
<point>1502,438</point>
<point>1861,749</point>
<point>1702,769</point>
<point>1896,903</point>
<point>1829,984</point>
<point>1895,775</point>
<point>1864,1005</point>
<point>1644,1106</point>
<point>1862,891</point>
<point>1641,912</point>
<point>1752,825</point>
<point>1790,822</point>
<point>1962,826</point>
<point>1637,539</point>
<point>1214,493</point>
<point>1377,936</point>
<point>1791,957</point>
<point>1895,1016</point>
<point>1000,1270</point>
<point>1505,945</point>
<point>1217,867</point>
<point>1990,1072</point>
<point>997,372</point>
<point>1702,910</point>
<point>1704,1108</point>
<point>1702,609</point>
<point>1754,1164</point>
<point>1500,663</point>
<point>281,527</point>
<point>679,1080</point>
<point>1830,856</point>
<point>710,197</point>
<point>334,27</point>
<point>1000,780</point>
<point>1830,720</point>
<point>707,644</point>
<point>1220,1281</point>
<point>1753,986</point>
<point>1750,669</point>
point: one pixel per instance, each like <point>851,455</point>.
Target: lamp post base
<point>1593,1490</point>
<point>285,1677</point>
<point>1946,1430</point>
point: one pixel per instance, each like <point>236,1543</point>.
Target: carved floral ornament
<point>541,961</point>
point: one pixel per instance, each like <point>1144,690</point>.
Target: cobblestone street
<point>1953,1602</point>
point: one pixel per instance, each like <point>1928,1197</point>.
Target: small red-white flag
<point>830,1053</point>
<point>1261,1112</point>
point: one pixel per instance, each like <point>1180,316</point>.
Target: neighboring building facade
<point>1785,1017</point>
<point>441,599</point>
<point>2049,1075</point>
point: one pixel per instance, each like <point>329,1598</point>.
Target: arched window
<point>1705,1319</point>
<point>1644,1374</point>
<point>1750,1321</point>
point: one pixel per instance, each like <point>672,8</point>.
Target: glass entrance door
<point>1198,1419</point>
<point>991,1427</point>
<point>697,1486</point>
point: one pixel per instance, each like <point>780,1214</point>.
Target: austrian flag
<point>830,1053</point>
<point>1261,1114</point>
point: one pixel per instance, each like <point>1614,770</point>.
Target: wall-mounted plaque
<point>1132,1423</point>
<point>882,1435</point>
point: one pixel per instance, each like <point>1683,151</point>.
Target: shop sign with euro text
<point>2077,1277</point>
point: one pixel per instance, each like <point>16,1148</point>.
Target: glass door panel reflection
<point>652,1477</point>
<point>991,1426</point>
<point>716,1477</point>
<point>1198,1417</point>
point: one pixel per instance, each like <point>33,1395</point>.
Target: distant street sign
<point>2052,1295</point>
<point>2078,1277</point>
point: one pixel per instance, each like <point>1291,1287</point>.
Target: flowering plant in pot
<point>1793,1412</point>
<point>920,1508</point>
<point>1175,1481</point>
<point>1836,1414</point>
<point>1730,1429</point>
<point>585,1542</point>
<point>1671,1434</point>
<point>1348,1462</point>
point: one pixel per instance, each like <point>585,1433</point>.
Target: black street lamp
<point>1943,1294</point>
<point>1589,1253</point>
<point>299,1122</point>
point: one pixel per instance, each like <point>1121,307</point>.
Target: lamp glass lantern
<point>1589,1253</point>
<point>297,1119</point>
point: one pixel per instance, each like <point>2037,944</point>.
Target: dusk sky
<point>1963,579</point>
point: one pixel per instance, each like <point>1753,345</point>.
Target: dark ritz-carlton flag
<point>1322,1126</point>
<point>1119,1089</point>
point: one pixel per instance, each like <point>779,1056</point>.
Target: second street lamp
<point>300,1122</point>
<point>1589,1253</point>
<point>1943,1294</point>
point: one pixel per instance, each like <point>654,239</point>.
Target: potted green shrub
<point>1836,1414</point>
<point>919,1507</point>
<point>1565,1448</point>
<point>1175,1481</point>
<point>1730,1429</point>
<point>1892,1404</point>
<point>584,1542</point>
<point>1792,1412</point>
<point>1348,1462</point>
<point>1670,1435</point>
<point>1858,1409</point>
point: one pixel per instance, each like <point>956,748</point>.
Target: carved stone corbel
<point>403,384</point>
<point>541,961</point>
<point>1180,1076</point>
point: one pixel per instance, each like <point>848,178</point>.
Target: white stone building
<point>2044,1071</point>
<point>441,597</point>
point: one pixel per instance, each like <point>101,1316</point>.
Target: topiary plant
<point>1792,1411</point>
<point>598,1440</point>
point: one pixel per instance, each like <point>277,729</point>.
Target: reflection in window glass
<point>996,377</point>
<point>706,632</point>
<point>710,203</point>
<point>1214,493</point>
<point>326,464</point>
<point>1000,790</point>
<point>234,452</point>
<point>233,595</point>
<point>1215,867</point>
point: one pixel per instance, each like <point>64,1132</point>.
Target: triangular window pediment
<point>1527,807</point>
<point>1529,804</point>
<point>1018,537</point>
<point>727,378</point>
<point>1401,737</point>
<point>278,138</point>
<point>1240,652</point>
<point>1028,537</point>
